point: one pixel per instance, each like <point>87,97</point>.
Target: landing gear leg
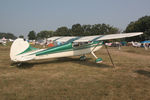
<point>98,60</point>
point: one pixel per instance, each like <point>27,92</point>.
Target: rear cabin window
<point>79,44</point>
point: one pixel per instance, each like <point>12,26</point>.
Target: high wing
<point>62,38</point>
<point>117,36</point>
<point>93,38</point>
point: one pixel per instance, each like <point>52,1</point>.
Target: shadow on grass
<point>143,72</point>
<point>24,65</point>
<point>87,62</point>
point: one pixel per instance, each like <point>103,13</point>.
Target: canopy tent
<point>4,39</point>
<point>145,42</point>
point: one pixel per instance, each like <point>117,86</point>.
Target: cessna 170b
<point>21,51</point>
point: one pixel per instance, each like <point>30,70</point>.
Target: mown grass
<point>71,79</point>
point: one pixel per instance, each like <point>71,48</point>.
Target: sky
<point>21,16</point>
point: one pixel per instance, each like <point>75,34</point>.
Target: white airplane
<point>21,51</point>
<point>136,44</point>
<point>3,41</point>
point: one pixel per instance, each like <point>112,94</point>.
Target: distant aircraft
<point>136,44</point>
<point>21,51</point>
<point>146,44</point>
<point>3,41</point>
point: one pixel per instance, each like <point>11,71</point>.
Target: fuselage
<point>63,50</point>
<point>69,49</point>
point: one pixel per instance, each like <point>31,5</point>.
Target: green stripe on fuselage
<point>55,49</point>
<point>67,47</point>
<point>28,50</point>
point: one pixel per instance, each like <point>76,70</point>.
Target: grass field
<point>71,79</point>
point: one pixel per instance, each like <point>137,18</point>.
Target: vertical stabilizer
<point>18,46</point>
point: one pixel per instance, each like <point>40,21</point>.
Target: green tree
<point>141,25</point>
<point>86,29</point>
<point>32,35</point>
<point>21,36</point>
<point>103,29</point>
<point>62,31</point>
<point>77,30</point>
<point>44,34</point>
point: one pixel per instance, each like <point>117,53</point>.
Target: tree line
<point>75,30</point>
<point>7,35</point>
<point>141,25</point>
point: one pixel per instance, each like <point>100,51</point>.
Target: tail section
<point>18,48</point>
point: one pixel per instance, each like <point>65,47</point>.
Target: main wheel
<point>19,64</point>
<point>82,58</point>
<point>99,60</point>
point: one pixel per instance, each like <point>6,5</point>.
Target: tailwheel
<point>16,64</point>
<point>19,64</point>
<point>83,58</point>
<point>99,60</point>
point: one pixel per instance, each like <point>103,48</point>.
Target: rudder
<point>17,47</point>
